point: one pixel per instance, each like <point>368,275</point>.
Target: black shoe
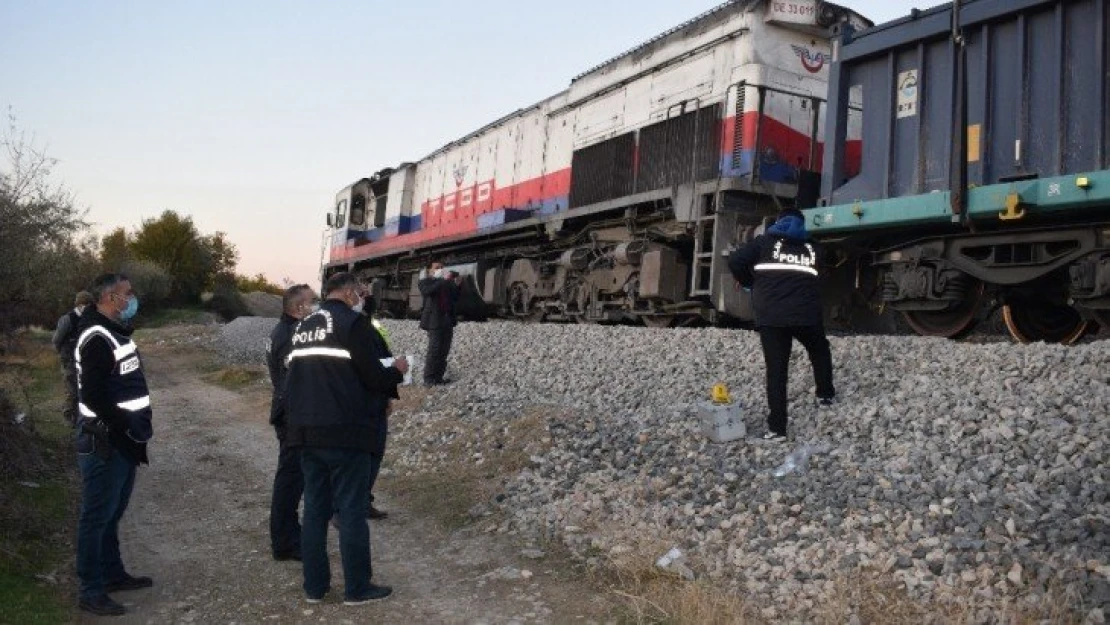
<point>102,606</point>
<point>127,582</point>
<point>374,593</point>
<point>314,600</point>
<point>285,556</point>
<point>826,402</point>
<point>375,514</point>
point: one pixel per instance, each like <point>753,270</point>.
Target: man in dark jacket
<point>285,528</point>
<point>437,317</point>
<point>383,351</point>
<point>114,425</point>
<point>780,268</point>
<point>65,341</point>
<point>335,390</point>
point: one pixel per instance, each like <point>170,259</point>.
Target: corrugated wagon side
<point>985,175</point>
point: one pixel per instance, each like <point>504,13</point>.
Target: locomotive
<point>619,198</point>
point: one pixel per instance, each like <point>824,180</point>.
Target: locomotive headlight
<point>1083,182</point>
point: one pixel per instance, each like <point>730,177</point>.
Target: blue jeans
<point>335,480</point>
<point>105,490</point>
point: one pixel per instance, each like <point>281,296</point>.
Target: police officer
<point>780,269</point>
<point>113,429</point>
<point>336,389</point>
<point>285,528</point>
<point>65,341</point>
<point>383,350</point>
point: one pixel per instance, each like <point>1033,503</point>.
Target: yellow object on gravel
<point>720,394</point>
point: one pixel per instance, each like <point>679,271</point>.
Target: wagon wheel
<point>658,321</point>
<point>956,321</point>
<point>1030,322</point>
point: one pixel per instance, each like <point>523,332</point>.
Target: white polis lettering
<point>804,260</point>
<point>314,336</point>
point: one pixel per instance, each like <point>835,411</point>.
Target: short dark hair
<point>340,281</point>
<point>104,283</point>
<point>291,294</point>
<point>434,262</point>
<point>83,298</point>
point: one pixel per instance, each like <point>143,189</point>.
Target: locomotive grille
<point>738,136</point>
<point>680,150</point>
<point>602,172</point>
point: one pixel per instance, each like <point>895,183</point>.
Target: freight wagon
<point>618,198</point>
<point>984,181</point>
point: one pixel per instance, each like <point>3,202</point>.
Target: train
<point>952,163</point>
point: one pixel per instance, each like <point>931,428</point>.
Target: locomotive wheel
<point>1103,318</point>
<point>659,321</point>
<point>952,323</point>
<point>1029,322</point>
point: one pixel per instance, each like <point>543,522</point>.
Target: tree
<point>258,283</point>
<point>223,254</point>
<point>173,243</point>
<point>115,250</point>
<point>41,264</point>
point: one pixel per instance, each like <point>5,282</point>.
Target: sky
<point>250,115</point>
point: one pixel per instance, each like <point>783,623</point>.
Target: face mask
<point>438,273</point>
<point>132,308</point>
<point>359,306</point>
<point>315,307</point>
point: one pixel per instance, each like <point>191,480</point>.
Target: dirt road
<point>198,524</point>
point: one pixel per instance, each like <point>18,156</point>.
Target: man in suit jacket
<point>437,317</point>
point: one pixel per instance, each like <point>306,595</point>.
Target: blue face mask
<point>132,308</point>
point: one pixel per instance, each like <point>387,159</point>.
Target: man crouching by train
<point>335,391</point>
<point>780,269</point>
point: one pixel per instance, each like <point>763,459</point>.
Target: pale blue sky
<point>250,115</point>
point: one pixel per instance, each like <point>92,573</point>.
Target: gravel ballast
<point>970,472</point>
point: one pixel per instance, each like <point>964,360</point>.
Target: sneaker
<point>102,606</point>
<point>826,402</point>
<point>375,514</point>
<point>374,593</point>
<point>313,599</point>
<point>128,582</point>
<point>774,437</point>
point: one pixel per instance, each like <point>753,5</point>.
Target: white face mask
<point>438,273</point>
<point>359,306</point>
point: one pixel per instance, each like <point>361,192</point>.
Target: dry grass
<point>458,483</point>
<point>650,595</point>
<point>234,378</point>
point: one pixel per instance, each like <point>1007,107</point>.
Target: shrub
<point>152,283</point>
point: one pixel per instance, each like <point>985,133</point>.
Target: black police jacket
<point>277,351</point>
<point>782,273</point>
<point>336,388</point>
<point>111,388</point>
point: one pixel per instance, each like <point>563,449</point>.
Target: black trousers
<point>285,527</point>
<point>381,433</point>
<point>439,345</point>
<point>776,354</point>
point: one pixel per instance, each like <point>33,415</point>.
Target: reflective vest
<point>380,327</point>
<point>126,385</point>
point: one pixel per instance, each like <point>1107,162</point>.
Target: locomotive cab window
<point>358,210</point>
<point>341,214</point>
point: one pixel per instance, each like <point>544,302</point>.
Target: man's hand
<point>401,364</point>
